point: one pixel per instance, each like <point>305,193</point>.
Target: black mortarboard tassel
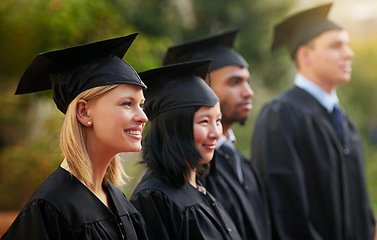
<point>302,27</point>
<point>73,70</point>
<point>177,86</point>
<point>218,48</point>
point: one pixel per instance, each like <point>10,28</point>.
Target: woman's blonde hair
<point>73,141</point>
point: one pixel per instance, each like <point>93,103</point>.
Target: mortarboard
<point>73,70</point>
<point>302,27</point>
<point>177,86</point>
<point>218,48</point>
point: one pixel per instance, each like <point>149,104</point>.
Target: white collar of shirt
<point>223,138</point>
<point>328,101</point>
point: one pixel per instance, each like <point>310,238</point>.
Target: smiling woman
<point>102,97</point>
<point>121,132</point>
<point>185,126</point>
<point>207,126</point>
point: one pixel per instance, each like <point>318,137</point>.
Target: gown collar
<point>328,101</point>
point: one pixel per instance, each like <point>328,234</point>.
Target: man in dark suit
<point>307,149</point>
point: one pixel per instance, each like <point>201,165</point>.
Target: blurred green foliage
<point>30,124</point>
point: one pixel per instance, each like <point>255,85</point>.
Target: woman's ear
<point>82,113</point>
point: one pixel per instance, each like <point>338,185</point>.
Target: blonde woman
<point>102,98</point>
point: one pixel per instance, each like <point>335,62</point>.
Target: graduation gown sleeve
<point>40,221</point>
<point>162,216</point>
<point>286,182</point>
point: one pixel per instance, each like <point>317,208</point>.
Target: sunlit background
<point>30,124</point>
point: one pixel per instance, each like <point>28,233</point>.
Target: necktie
<point>337,118</point>
<point>231,154</point>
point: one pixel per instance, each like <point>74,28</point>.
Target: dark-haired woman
<point>185,126</point>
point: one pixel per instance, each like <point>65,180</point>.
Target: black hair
<point>169,148</point>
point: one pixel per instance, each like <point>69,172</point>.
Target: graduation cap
<point>177,86</point>
<point>73,70</point>
<point>218,48</point>
<point>302,27</point>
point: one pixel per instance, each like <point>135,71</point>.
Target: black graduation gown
<point>316,182</point>
<point>180,213</point>
<point>246,203</point>
<point>63,208</point>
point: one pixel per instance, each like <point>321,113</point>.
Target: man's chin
<point>243,119</point>
<point>242,123</point>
